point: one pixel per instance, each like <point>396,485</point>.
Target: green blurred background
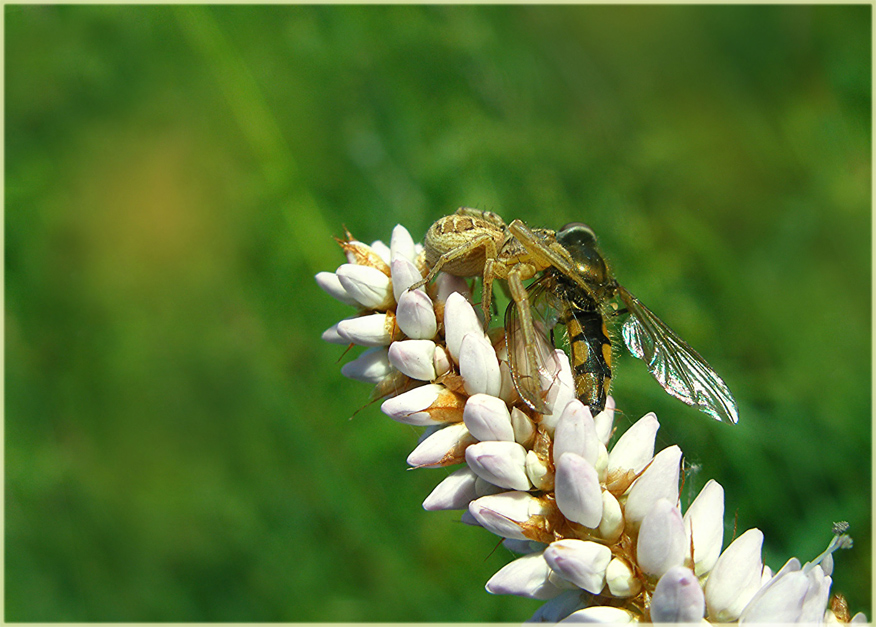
<point>178,440</point>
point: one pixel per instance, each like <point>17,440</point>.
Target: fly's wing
<point>529,349</point>
<point>678,368</point>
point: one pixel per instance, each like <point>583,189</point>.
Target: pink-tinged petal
<point>604,421</point>
<point>488,419</point>
<point>507,391</point>
<point>478,365</point>
<point>415,316</point>
<point>371,330</point>
<point>404,274</point>
<point>401,244</point>
<point>602,614</point>
<point>621,580</point>
<point>735,578</point>
<point>527,576</point>
<point>332,336</point>
<point>444,447</point>
<point>455,492</point>
<point>581,562</point>
<point>369,286</point>
<point>331,285</point>
<point>501,463</point>
<point>661,543</point>
<point>635,448</point>
<point>704,526</point>
<point>658,481</point>
<point>425,406</point>
<point>415,358</point>
<point>781,599</point>
<point>577,490</point>
<point>678,598</point>
<point>459,320</point>
<point>369,367</point>
<point>505,514</point>
<point>576,433</point>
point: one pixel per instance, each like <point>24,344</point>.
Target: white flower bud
<point>560,383</point>
<point>447,284</point>
<point>735,577</point>
<point>611,526</point>
<point>658,481</point>
<point>505,514</point>
<point>415,315</point>
<point>443,447</point>
<point>404,275</point>
<point>781,599</point>
<point>382,250</point>
<point>401,244</point>
<point>478,365</point>
<point>415,358</point>
<point>485,488</point>
<point>332,336</point>
<point>459,319</point>
<point>661,543</point>
<point>441,360</point>
<point>539,474</point>
<point>527,576</point>
<point>621,580</point>
<point>635,448</point>
<point>604,614</point>
<point>524,430</point>
<point>455,492</point>
<point>678,598</point>
<point>371,330</point>
<point>331,285</point>
<point>581,562</point>
<point>704,527</point>
<point>501,463</point>
<point>488,419</point>
<point>576,432</point>
<point>369,367</point>
<point>577,490</point>
<point>604,421</point>
<point>424,406</point>
<point>369,286</point>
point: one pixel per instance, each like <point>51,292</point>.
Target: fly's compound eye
<point>576,234</point>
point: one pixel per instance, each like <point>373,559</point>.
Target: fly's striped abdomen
<point>591,356</point>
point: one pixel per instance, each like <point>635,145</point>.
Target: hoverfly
<point>575,290</point>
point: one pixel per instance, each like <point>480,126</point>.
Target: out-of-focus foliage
<point>178,442</point>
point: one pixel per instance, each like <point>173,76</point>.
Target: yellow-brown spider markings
<point>576,290</point>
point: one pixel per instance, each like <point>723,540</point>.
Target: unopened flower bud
<point>371,330</point>
<point>577,489</point>
<point>331,285</point>
<point>527,576</point>
<point>370,287</point>
<point>658,481</point>
<point>661,543</point>
<point>401,244</point>
<point>424,406</point>
<point>443,447</point>
<point>459,319</point>
<point>404,274</point>
<point>415,358</point>
<point>478,365</point>
<point>415,315</point>
<point>501,463</point>
<point>455,492</point>
<point>621,580</point>
<point>678,598</point>
<point>580,562</point>
<point>369,367</point>
<point>488,419</point>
